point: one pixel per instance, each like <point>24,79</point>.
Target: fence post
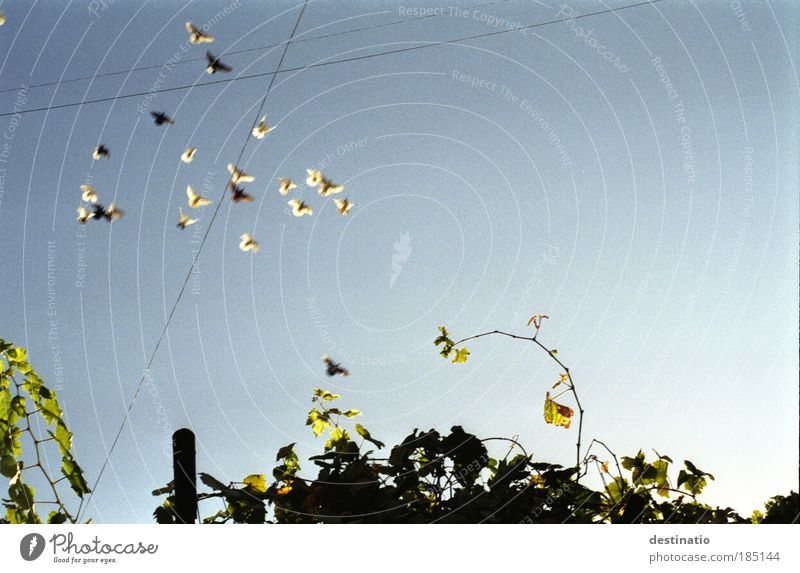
<point>184,471</point>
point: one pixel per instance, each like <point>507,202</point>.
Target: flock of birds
<point>315,179</point>
<point>92,209</point>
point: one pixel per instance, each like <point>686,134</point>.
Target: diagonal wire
<point>189,274</point>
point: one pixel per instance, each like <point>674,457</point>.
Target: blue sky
<point>551,170</point>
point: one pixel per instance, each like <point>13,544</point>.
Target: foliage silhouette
<point>431,477</point>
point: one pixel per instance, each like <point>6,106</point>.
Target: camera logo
<point>31,546</point>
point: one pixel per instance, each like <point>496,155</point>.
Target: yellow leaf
<point>564,378</point>
<point>257,482</point>
<point>553,352</point>
<point>604,467</point>
<point>557,414</point>
<point>285,489</point>
<point>461,355</point>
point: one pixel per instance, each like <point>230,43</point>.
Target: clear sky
<point>633,175</point>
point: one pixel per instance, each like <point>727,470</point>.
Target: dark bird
<point>333,368</point>
<point>238,195</point>
<point>214,65</point>
<point>161,118</point>
<point>101,151</point>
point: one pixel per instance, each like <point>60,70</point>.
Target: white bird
<point>196,36</point>
<point>249,243</point>
<point>196,200</point>
<point>113,212</point>
<point>343,205</point>
<point>188,155</point>
<point>84,215</point>
<point>88,194</point>
<point>238,176</point>
<point>299,208</point>
<point>314,177</point>
<point>184,220</point>
<point>262,129</point>
<point>326,187</point>
<point>101,151</point>
<point>286,186</point>
<point>2,18</point>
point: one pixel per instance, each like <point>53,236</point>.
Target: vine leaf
<point>557,414</point>
<point>461,355</point>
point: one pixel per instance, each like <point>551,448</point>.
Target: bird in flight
<point>188,155</point>
<point>196,200</point>
<point>262,129</point>
<point>286,186</point>
<point>113,212</point>
<point>161,118</point>
<point>84,215</point>
<point>314,177</point>
<point>214,65</point>
<point>333,368</point>
<point>196,36</point>
<point>238,195</point>
<point>89,194</point>
<point>343,205</point>
<point>238,176</point>
<point>249,243</point>
<point>184,220</point>
<point>101,152</point>
<point>326,188</point>
<point>2,18</point>
<point>299,208</point>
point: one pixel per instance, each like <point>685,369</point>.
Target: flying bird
<point>196,200</point>
<point>89,195</point>
<point>113,212</point>
<point>343,205</point>
<point>100,152</point>
<point>333,368</point>
<point>262,129</point>
<point>2,18</point>
<point>161,118</point>
<point>196,36</point>
<point>249,243</point>
<point>299,208</point>
<point>314,177</point>
<point>214,65</point>
<point>326,188</point>
<point>238,176</point>
<point>84,215</point>
<point>286,186</point>
<point>188,155</point>
<point>184,220</point>
<point>238,195</point>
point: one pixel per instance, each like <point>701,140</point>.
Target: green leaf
<point>56,517</point>
<point>364,433</point>
<point>166,490</point>
<point>74,475</point>
<point>325,395</point>
<point>8,466</point>
<point>285,451</point>
<point>352,413</point>
<point>257,482</point>
<point>213,482</point>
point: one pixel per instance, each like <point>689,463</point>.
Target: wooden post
<point>184,471</point>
